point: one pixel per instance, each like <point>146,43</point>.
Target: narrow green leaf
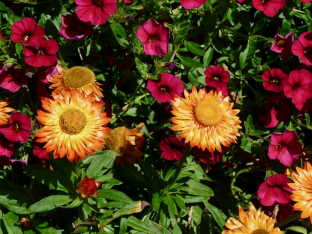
<point>243,57</point>
<point>194,48</point>
<point>244,19</point>
<point>208,56</point>
<point>9,220</point>
<point>155,201</point>
<point>118,30</point>
<point>189,62</point>
<point>308,120</point>
<point>2,7</point>
<point>138,225</point>
<point>176,229</point>
<point>196,188</point>
<point>19,47</point>
<point>49,203</point>
<point>156,228</point>
<point>123,226</point>
<point>216,213</point>
<point>75,203</point>
<point>114,195</point>
<point>171,208</point>
<point>298,229</point>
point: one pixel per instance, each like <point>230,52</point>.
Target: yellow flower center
<point>78,77</point>
<point>260,231</point>
<point>117,141</point>
<point>208,112</point>
<point>153,38</point>
<point>274,81</point>
<point>280,43</point>
<point>73,121</point>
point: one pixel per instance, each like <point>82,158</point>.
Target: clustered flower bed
<point>170,117</point>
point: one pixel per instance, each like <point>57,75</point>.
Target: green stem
<point>288,220</point>
<point>260,137</point>
<point>139,161</point>
<point>302,125</point>
<point>35,3</point>
<point>252,89</point>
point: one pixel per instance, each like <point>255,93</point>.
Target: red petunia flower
<point>45,73</point>
<point>282,45</point>
<point>13,79</point>
<point>299,87</point>
<point>240,1</point>
<point>6,147</point>
<point>269,7</point>
<point>165,89</point>
<point>42,54</point>
<point>42,89</point>
<point>88,187</point>
<point>73,28</point>
<point>274,80</point>
<point>155,37</point>
<point>275,110</point>
<point>303,48</point>
<point>26,31</point>
<point>95,11</point>
<point>208,158</point>
<point>173,148</point>
<point>275,189</point>
<point>285,147</point>
<point>306,1</point>
<point>217,78</point>
<point>18,127</point>
<point>39,151</point>
<point>191,4</point>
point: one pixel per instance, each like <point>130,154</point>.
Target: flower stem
<point>288,220</point>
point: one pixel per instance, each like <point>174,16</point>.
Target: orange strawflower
<point>252,222</point>
<point>4,117</point>
<point>73,125</point>
<point>302,193</point>
<point>206,120</point>
<point>80,78</point>
<point>88,187</point>
<point>124,141</point>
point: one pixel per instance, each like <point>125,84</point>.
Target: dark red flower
<point>166,88</point>
<point>275,189</point>
<point>73,28</point>
<point>274,80</point>
<point>42,89</point>
<point>6,147</point>
<point>172,148</point>
<point>42,54</point>
<point>88,187</point>
<point>13,79</point>
<point>303,48</point>
<point>39,151</point>
<point>18,127</point>
<point>95,11</point>
<point>282,45</point>
<point>2,37</point>
<point>208,158</point>
<point>306,1</point>
<point>240,1</point>
<point>269,7</point>
<point>299,87</point>
<point>45,73</point>
<point>155,37</point>
<point>285,147</point>
<point>218,78</point>
<point>26,31</point>
<point>191,4</point>
<point>275,110</point>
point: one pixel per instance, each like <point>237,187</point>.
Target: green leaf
<point>155,201</point>
<point>49,203</point>
<point>2,7</point>
<point>243,56</point>
<point>19,47</point>
<point>197,215</point>
<point>216,213</point>
<point>9,220</point>
<point>308,120</point>
<point>285,29</point>
<point>189,62</point>
<point>244,19</point>
<point>75,203</point>
<point>196,188</point>
<point>156,228</point>
<point>258,25</point>
<point>118,30</point>
<point>298,229</point>
<point>194,48</point>
<point>171,208</point>
<point>176,230</point>
<point>138,225</point>
<point>208,56</point>
<point>123,226</point>
<point>114,195</point>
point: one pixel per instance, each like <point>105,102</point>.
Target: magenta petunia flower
<point>191,4</point>
<point>173,148</point>
<point>285,147</point>
<point>274,80</point>
<point>13,79</point>
<point>269,7</point>
<point>6,147</point>
<point>303,48</point>
<point>240,1</point>
<point>275,189</point>
<point>18,127</point>
<point>45,73</point>
<point>39,151</point>
<point>95,11</point>
<point>155,37</point>
<point>306,1</point>
<point>26,31</point>
<point>166,88</point>
<point>217,78</point>
<point>282,45</point>
<point>276,109</point>
<point>42,54</point>
<point>73,28</point>
<point>299,86</point>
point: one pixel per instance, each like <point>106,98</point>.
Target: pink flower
<point>275,189</point>
<point>42,54</point>
<point>217,78</point>
<point>240,1</point>
<point>269,7</point>
<point>74,29</point>
<point>191,4</point>
<point>299,87</point>
<point>26,31</point>
<point>6,147</point>
<point>166,88</point>
<point>274,80</point>
<point>2,37</point>
<point>45,73</point>
<point>95,11</point>
<point>285,147</point>
<point>303,48</point>
<point>282,45</point>
<point>306,1</point>
<point>39,151</point>
<point>18,127</point>
<point>155,37</point>
<point>275,110</point>
<point>173,148</point>
<point>13,79</point>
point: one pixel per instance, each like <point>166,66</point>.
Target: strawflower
<point>274,80</point>
<point>218,78</point>
<point>191,4</point>
<point>88,187</point>
<point>166,88</point>
<point>206,120</point>
<point>172,148</point>
<point>282,45</point>
<point>4,116</point>
<point>73,125</point>
<point>154,37</point>
<point>303,48</point>
<point>269,7</point>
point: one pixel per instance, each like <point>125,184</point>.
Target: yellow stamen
<point>208,113</point>
<point>73,121</point>
<point>78,77</point>
<point>117,141</point>
<point>260,231</point>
